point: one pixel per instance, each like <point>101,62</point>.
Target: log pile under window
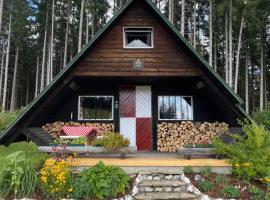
<point>171,136</point>
<point>54,129</point>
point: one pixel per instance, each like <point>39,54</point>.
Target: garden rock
<point>158,189</point>
<point>175,177</point>
<point>198,177</point>
<point>148,189</point>
<point>156,178</point>
<point>169,177</point>
<point>168,189</point>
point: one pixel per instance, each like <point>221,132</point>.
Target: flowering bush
<point>55,179</point>
<point>249,154</point>
<point>111,141</point>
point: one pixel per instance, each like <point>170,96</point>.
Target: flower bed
<point>227,186</point>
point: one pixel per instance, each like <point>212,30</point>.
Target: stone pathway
<point>163,187</point>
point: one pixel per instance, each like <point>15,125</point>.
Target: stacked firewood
<point>54,129</point>
<point>172,136</point>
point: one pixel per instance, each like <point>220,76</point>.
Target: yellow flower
<point>267,180</point>
<point>43,179</point>
<point>246,164</point>
<point>236,165</point>
<point>70,190</point>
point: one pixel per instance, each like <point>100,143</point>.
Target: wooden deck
<point>151,160</point>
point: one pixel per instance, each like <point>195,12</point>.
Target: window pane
<point>172,108</point>
<point>175,108</point>
<point>178,107</point>
<point>189,107</point>
<point>99,108</point>
<point>109,103</point>
<point>87,108</point>
<point>138,37</point>
<point>95,108</point>
<point>166,107</point>
<point>161,107</point>
<point>184,109</point>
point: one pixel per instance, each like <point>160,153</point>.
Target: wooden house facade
<point>136,72</point>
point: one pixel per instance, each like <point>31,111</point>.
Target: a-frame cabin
<point>136,72</point>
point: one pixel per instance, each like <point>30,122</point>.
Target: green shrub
<point>111,141</point>
<point>18,177</point>
<point>229,191</point>
<point>221,179</point>
<point>188,169</point>
<point>101,181</point>
<point>206,186</point>
<point>262,117</point>
<point>6,118</point>
<point>206,171</point>
<point>256,194</point>
<point>249,154</point>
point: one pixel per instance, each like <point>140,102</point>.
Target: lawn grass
<point>29,148</point>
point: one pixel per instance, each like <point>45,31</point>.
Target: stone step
<point>166,196</point>
<point>162,183</point>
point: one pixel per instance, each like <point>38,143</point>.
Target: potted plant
<point>204,148</point>
<point>81,141</point>
<point>54,143</point>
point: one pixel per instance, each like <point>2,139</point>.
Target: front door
<point>136,115</point>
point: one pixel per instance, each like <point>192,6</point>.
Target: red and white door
<point>135,108</point>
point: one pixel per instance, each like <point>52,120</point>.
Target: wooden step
<point>162,183</point>
<point>38,136</point>
<point>166,196</point>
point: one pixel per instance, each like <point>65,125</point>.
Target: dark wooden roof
<point>13,131</point>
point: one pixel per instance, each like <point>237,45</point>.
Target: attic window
<point>138,38</point>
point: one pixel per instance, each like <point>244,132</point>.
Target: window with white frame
<point>95,108</point>
<point>175,108</point>
<point>138,37</point>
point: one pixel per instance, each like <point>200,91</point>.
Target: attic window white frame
<point>140,29</point>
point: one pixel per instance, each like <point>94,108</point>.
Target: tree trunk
<point>87,27</point>
<point>81,27</point>
<point>48,71</point>
<point>195,26</point>
<point>2,72</point>
<point>66,39</point>
<point>238,55</point>
<point>1,14</point>
<point>211,33</point>
<point>183,18</point>
<point>246,84</point>
<point>230,46</point>
<point>52,36</point>
<point>262,73</point>
<point>37,77</point>
<point>226,48</point>
<point>13,91</point>
<point>27,91</point>
<point>6,70</point>
<point>93,26</point>
<point>42,80</point>
<point>171,12</point>
<point>215,53</point>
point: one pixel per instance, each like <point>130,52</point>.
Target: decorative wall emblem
<point>138,64</point>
